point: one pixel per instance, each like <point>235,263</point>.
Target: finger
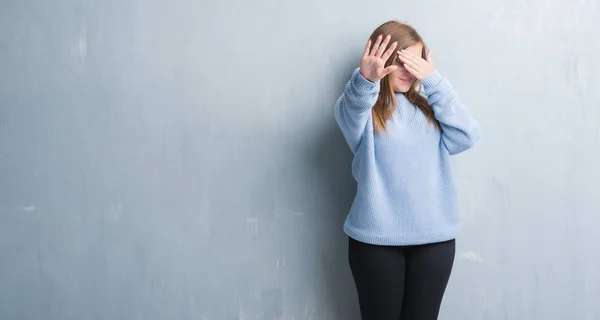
<point>376,46</point>
<point>367,48</point>
<point>411,69</point>
<point>408,55</point>
<point>408,60</point>
<point>405,55</point>
<point>389,51</point>
<point>390,69</point>
<point>429,58</point>
<point>415,61</point>
<point>383,45</point>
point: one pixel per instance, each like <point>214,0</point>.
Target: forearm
<point>353,108</point>
<point>460,130</point>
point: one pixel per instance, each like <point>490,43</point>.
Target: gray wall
<point>180,160</point>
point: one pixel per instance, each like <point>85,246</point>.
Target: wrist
<point>431,79</point>
<point>362,82</point>
<point>365,77</point>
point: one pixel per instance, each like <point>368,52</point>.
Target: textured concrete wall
<point>180,160</point>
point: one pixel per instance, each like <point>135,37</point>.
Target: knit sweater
<point>406,193</point>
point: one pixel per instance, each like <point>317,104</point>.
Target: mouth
<point>406,81</point>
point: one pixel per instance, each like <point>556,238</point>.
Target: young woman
<point>404,218</point>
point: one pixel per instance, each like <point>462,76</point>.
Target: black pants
<point>401,283</point>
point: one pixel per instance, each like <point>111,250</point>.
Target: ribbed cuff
<point>363,83</point>
<point>431,80</point>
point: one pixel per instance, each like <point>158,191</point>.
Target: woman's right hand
<point>372,63</point>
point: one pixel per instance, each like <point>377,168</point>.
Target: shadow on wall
<point>331,160</point>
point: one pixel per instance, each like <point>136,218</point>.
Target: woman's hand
<point>417,66</point>
<point>372,63</point>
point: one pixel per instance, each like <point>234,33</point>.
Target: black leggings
<point>401,283</point>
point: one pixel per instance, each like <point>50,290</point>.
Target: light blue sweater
<point>406,193</point>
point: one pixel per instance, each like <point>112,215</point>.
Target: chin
<point>401,88</point>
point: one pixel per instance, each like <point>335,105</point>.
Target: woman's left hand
<point>417,66</point>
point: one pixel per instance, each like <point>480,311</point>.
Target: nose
<point>404,72</point>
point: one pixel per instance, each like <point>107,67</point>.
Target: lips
<point>406,81</point>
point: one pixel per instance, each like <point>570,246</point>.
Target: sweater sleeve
<point>460,131</point>
<point>353,108</point>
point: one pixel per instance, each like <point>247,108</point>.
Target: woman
<point>404,219</point>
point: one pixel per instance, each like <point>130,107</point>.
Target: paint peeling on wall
<point>29,208</point>
<point>252,228</point>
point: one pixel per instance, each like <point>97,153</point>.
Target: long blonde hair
<point>386,104</point>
